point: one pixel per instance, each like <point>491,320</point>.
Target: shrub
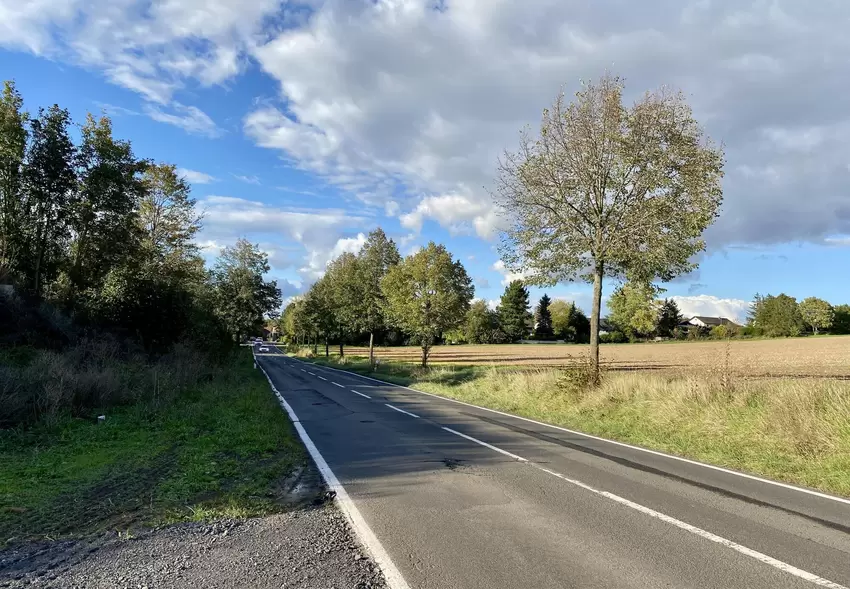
<point>613,337</point>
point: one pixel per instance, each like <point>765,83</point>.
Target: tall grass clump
<point>93,374</point>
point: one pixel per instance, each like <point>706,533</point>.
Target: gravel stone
<point>311,548</point>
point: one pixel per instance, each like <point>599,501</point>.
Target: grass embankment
<point>220,448</point>
<point>792,430</point>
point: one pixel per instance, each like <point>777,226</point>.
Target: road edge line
<point>599,438</point>
<point>364,533</point>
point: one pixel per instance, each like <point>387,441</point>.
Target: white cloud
<point>492,304</point>
<point>507,275</point>
<point>318,259</point>
<point>195,177</point>
<point>189,118</point>
<point>248,179</point>
<point>840,241</point>
<point>711,306</point>
<point>412,101</point>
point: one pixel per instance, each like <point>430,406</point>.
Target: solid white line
<point>768,560</point>
<point>323,378</point>
<point>486,445</point>
<point>361,394</point>
<point>616,443</point>
<point>402,411</point>
<point>339,385</point>
<point>367,537</point>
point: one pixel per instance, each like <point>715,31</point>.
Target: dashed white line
<point>311,373</point>
<point>361,394</point>
<point>768,560</point>
<point>323,378</point>
<point>337,384</point>
<point>402,411</point>
<point>485,444</point>
<point>302,370</point>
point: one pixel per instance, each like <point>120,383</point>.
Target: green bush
<point>613,337</point>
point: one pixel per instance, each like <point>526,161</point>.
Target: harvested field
<point>812,357</point>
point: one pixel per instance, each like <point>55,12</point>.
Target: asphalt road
<point>462,497</point>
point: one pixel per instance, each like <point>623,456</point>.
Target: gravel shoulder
<point>310,548</point>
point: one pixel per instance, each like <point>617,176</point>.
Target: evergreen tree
<point>543,318</point>
<point>514,311</point>
<point>668,318</point>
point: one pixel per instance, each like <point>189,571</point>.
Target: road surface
<point>463,497</point>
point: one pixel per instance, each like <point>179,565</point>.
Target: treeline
<point>424,299</point>
<point>98,244</point>
<point>636,314</point>
<point>107,237</point>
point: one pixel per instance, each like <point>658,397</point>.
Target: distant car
<point>264,348</point>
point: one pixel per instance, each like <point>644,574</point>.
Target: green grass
<point>223,448</point>
<point>794,430</point>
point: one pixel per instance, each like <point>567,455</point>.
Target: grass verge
<point>219,449</point>
<point>797,431</point>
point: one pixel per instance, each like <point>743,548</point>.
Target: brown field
<point>797,357</point>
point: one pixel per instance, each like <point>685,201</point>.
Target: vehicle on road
<point>264,348</point>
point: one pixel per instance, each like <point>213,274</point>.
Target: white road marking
<point>323,378</point>
<point>486,445</point>
<point>402,411</point>
<point>311,373</point>
<point>768,560</point>
<point>367,537</point>
<point>361,394</point>
<point>606,440</point>
<point>302,370</point>
<point>337,384</point>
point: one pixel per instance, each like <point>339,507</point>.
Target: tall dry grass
<point>93,374</point>
<point>789,429</point>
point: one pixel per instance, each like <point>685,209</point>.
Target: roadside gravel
<point>310,548</point>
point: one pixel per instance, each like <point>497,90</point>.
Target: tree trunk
<point>371,350</point>
<point>327,350</point>
<point>425,349</point>
<point>594,320</point>
<point>815,329</point>
<point>341,352</point>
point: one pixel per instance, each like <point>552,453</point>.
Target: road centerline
<point>402,411</point>
<point>361,394</point>
<point>337,384</point>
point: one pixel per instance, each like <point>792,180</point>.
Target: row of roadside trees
<point>107,239</point>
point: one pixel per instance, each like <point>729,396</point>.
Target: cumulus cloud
<point>711,306</point>
<point>195,177</point>
<point>408,102</point>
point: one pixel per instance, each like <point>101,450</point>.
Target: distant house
<point>708,322</point>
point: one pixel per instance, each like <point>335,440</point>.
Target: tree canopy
<point>633,309</point>
<point>817,313</point>
<point>427,294</point>
<point>543,318</point>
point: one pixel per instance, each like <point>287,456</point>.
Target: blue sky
<point>303,126</point>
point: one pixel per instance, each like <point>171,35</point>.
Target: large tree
<point>607,189</point>
<point>346,293</point>
<point>841,320</point>
<point>569,323</point>
<point>376,257</point>
<point>13,141</point>
<point>426,294</point>
<point>543,318</point>
<point>669,318</point>
<point>169,222</point>
<point>513,310</point>
<point>50,179</point>
<point>777,316</point>
<point>243,298</point>
<point>482,324</point>
<point>105,207</point>
<point>817,313</point>
<point>633,309</point>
